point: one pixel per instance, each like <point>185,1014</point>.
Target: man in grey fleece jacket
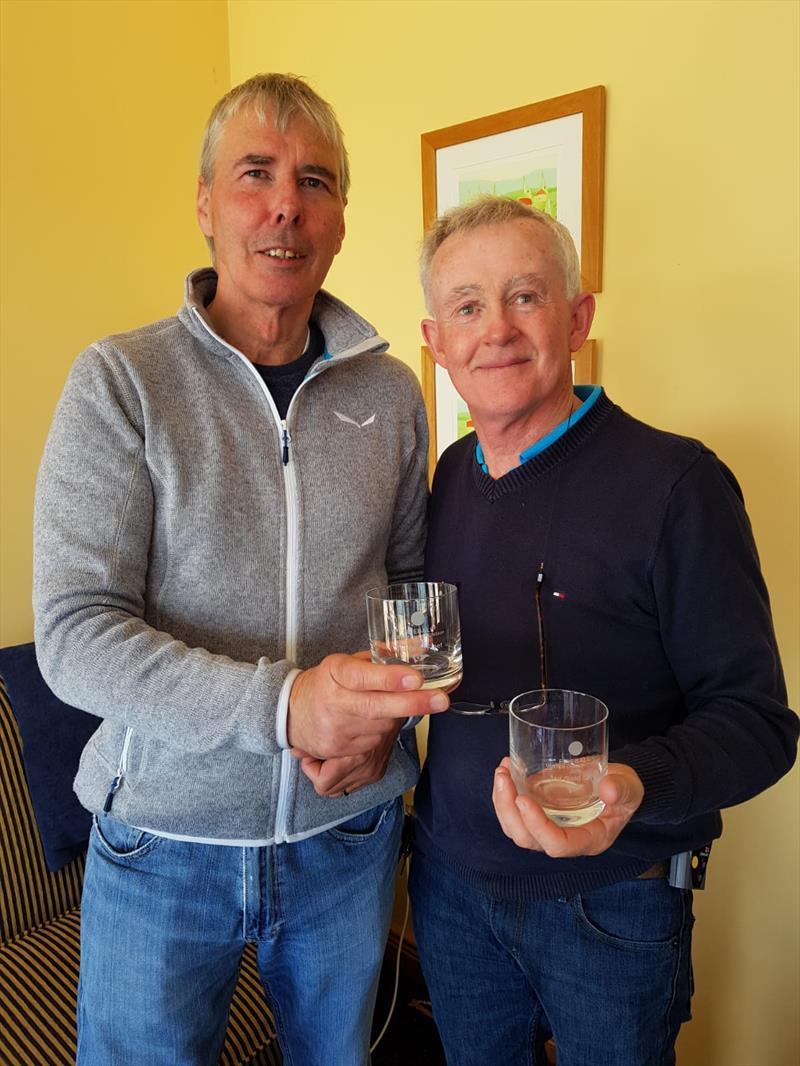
<point>217,492</point>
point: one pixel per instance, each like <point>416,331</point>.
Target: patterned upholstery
<point>38,984</point>
<point>40,942</point>
<point>29,894</point>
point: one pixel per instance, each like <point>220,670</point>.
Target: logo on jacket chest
<point>353,422</point>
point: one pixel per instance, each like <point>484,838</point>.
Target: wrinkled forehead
<point>489,254</point>
<point>261,131</point>
<point>254,120</point>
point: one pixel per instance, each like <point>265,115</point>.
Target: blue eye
<point>466,310</point>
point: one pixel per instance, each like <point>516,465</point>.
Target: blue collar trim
<point>588,394</point>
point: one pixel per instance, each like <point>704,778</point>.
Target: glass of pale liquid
<point>559,752</point>
<point>416,623</point>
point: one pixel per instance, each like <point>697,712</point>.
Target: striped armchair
<point>40,938</point>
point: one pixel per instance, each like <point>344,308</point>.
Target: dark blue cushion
<point>53,737</point>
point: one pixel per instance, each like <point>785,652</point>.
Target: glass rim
<point>432,590</point>
<point>512,713</point>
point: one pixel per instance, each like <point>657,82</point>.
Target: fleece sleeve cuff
<point>282,716</point>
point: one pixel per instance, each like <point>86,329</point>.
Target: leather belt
<point>658,869</point>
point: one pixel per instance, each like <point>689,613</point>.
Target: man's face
<point>274,212</point>
<point>503,327</point>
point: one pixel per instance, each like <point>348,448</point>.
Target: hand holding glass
<point>416,624</point>
<point>559,752</point>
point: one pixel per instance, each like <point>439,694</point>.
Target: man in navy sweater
<point>649,597</point>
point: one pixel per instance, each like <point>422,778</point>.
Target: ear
<point>430,331</point>
<point>203,208</point>
<point>583,307</point>
<point>342,232</point>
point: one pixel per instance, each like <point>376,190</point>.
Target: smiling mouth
<point>503,366</point>
<point>282,253</point>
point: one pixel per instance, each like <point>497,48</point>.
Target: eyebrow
<point>320,172</point>
<point>259,159</point>
<point>527,279</point>
<point>476,289</point>
<point>460,291</point>
<point>315,169</point>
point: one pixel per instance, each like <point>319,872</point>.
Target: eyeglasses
<point>501,706</point>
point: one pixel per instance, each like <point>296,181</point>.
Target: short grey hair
<point>490,211</point>
<point>286,96</point>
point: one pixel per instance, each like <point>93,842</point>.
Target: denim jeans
<point>164,922</point>
<point>607,973</point>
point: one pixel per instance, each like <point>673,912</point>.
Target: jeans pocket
<point>122,842</point>
<point>638,915</point>
<point>367,825</point>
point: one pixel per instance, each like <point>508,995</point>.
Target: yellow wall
<point>103,104</point>
<point>698,320</point>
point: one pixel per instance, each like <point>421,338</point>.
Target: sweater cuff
<point>660,798</point>
<point>282,714</point>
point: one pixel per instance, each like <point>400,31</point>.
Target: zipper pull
<point>286,439</point>
<point>110,797</point>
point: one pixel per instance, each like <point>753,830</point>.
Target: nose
<point>499,327</point>
<point>286,205</point>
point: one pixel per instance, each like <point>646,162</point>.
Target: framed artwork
<point>549,154</point>
<point>451,410</point>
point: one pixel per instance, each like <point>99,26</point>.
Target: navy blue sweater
<point>653,601</point>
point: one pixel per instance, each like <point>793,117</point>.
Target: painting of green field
<point>464,421</point>
<point>539,188</point>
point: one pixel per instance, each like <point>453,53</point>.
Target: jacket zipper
<point>122,769</point>
<point>288,767</point>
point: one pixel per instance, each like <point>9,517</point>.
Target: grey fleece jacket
<point>183,571</point>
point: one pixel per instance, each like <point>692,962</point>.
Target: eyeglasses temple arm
<point>540,623</point>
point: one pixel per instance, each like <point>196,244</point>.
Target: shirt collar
<point>587,394</point>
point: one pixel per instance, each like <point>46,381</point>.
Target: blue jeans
<point>164,922</point>
<point>607,973</point>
